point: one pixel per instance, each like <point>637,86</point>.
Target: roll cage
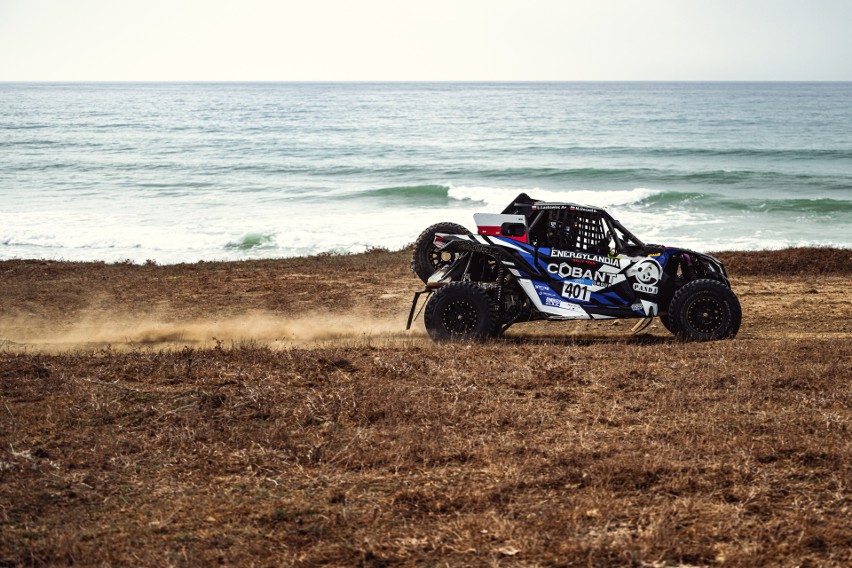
<point>572,227</point>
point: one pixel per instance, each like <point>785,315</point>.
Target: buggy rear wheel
<point>427,258</point>
<point>705,310</point>
<point>460,311</point>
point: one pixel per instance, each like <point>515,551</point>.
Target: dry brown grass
<point>560,445</point>
<point>788,262</point>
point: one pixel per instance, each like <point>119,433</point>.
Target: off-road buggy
<point>560,261</point>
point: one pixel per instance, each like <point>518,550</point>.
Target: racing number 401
<point>576,292</point>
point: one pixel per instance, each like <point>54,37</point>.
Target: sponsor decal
<point>644,288</point>
<point>584,256</point>
<point>576,291</point>
<point>567,271</point>
<point>549,298</point>
<point>647,273</point>
<point>557,303</point>
<point>645,307</point>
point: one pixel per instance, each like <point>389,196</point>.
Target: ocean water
<point>188,172</point>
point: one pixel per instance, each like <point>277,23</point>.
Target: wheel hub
<point>440,259</point>
<point>459,316</point>
<point>705,315</point>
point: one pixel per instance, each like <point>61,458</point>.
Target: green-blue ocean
<point>204,171</point>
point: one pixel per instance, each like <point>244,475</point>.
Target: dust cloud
<point>122,330</point>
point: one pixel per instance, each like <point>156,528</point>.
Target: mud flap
<point>417,295</point>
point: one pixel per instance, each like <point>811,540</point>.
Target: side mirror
<point>513,230</point>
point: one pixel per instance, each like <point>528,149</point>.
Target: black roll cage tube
<point>612,224</point>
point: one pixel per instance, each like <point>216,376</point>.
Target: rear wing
<point>501,225</point>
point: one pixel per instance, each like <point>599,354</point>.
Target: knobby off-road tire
<point>427,259</point>
<point>460,311</point>
<point>705,310</point>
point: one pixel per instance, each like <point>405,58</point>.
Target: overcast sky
<point>399,40</point>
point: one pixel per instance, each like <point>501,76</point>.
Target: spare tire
<point>427,259</point>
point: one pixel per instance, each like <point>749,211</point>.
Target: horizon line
<point>410,81</point>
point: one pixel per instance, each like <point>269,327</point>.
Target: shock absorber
<point>688,267</point>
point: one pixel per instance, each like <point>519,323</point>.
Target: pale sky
<point>444,40</point>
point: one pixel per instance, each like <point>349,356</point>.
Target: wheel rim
<point>459,317</point>
<point>705,315</point>
<point>439,259</point>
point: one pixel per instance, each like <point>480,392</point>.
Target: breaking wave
<point>500,197</point>
<point>409,194</point>
<point>711,202</point>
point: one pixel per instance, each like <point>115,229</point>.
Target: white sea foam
<point>500,197</point>
<point>173,229</point>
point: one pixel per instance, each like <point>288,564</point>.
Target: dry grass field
<point>275,413</point>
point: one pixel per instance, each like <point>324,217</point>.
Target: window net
<point>578,230</point>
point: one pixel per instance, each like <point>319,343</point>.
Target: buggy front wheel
<point>705,310</point>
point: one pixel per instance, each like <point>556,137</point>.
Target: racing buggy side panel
<point>559,284</point>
